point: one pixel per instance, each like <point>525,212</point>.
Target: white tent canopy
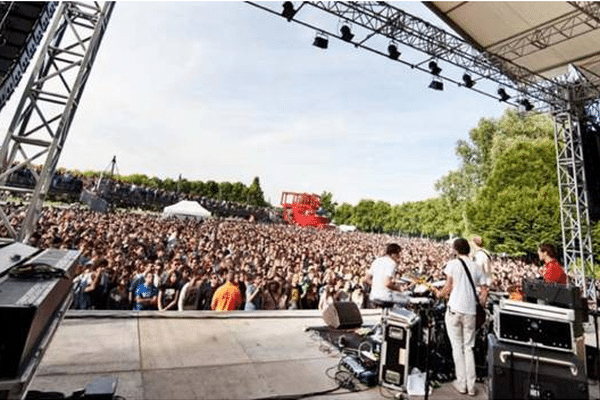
<point>186,209</point>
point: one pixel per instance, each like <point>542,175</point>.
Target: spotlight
<point>469,82</point>
<point>393,52</point>
<point>436,85</point>
<point>526,104</point>
<point>321,42</point>
<point>503,95</point>
<point>435,70</point>
<point>346,33</point>
<point>288,10</point>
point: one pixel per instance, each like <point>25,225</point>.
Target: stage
<point>201,355</point>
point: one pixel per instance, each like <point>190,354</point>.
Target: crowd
<point>128,258</point>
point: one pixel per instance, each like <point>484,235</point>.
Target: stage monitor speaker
<point>526,372</point>
<point>28,306</point>
<point>343,315</point>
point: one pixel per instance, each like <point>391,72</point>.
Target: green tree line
<point>505,190</point>
<point>236,192</point>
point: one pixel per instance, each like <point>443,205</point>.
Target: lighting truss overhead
<point>434,68</point>
<point>436,84</point>
<point>321,41</point>
<point>469,82</point>
<point>288,10</point>
<point>503,95</point>
<point>393,52</point>
<point>346,33</point>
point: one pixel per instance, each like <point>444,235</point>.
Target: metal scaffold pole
<point>574,207</point>
<point>43,117</point>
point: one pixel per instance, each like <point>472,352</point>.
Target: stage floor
<point>203,355</point>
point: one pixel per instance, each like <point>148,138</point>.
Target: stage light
<point>503,95</point>
<point>346,33</point>
<point>288,10</point>
<point>321,41</point>
<point>526,104</point>
<point>393,52</point>
<point>433,67</point>
<point>469,82</point>
<point>436,85</point>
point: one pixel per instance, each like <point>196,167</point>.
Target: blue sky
<point>224,91</point>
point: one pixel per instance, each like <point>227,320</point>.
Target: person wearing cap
<point>552,271</point>
<point>483,259</point>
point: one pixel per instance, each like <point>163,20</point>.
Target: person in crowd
<point>118,297</point>
<point>460,313</point>
<point>552,271</point>
<point>168,292</point>
<point>82,288</point>
<point>295,292</point>
<point>207,291</point>
<point>190,293</point>
<point>483,259</point>
<point>146,294</point>
<point>254,296</point>
<point>381,275</point>
<point>228,296</point>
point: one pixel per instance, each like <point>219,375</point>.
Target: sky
<point>225,91</point>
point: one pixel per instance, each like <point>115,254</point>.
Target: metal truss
<point>575,221</point>
<point>577,23</point>
<point>383,19</point>
<point>43,117</point>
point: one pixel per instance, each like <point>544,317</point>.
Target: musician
<point>381,275</point>
<point>460,313</point>
<point>483,258</point>
<point>552,271</point>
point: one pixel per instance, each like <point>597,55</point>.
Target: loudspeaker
<point>343,315</point>
<point>29,306</point>
<point>528,372</point>
<point>590,138</point>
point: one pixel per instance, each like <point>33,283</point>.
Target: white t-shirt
<point>462,299</point>
<point>381,268</point>
<point>482,259</point>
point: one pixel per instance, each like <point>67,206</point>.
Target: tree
<point>343,214</point>
<point>255,194</point>
<point>328,204</point>
<point>519,206</point>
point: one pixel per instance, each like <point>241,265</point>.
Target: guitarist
<point>460,313</point>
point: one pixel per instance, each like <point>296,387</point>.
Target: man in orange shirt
<point>228,296</point>
<point>552,271</point>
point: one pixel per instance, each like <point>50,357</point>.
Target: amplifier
<point>544,326</point>
<point>554,294</point>
<point>399,352</point>
<point>524,372</point>
<point>402,316</point>
<point>29,306</point>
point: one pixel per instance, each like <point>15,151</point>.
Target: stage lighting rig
<point>346,33</point>
<point>288,10</point>
<point>321,41</point>
<point>393,52</point>
<point>526,104</point>
<point>434,68</point>
<point>436,84</point>
<point>503,95</point>
<point>469,82</point>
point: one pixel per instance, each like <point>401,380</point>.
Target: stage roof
<point>543,37</point>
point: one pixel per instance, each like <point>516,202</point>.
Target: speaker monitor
<point>343,315</point>
<point>526,372</point>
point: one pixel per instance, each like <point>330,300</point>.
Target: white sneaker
<point>458,388</point>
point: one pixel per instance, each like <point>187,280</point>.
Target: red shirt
<point>553,273</point>
<point>227,298</point>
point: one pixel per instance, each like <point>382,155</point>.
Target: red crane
<point>301,209</point>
